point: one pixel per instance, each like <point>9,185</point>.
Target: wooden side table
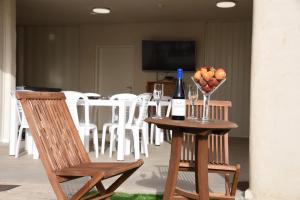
<point>201,130</point>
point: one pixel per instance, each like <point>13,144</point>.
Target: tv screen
<point>168,55</point>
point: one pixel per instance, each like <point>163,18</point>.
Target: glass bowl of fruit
<point>208,80</point>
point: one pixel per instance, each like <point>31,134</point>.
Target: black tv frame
<point>173,68</point>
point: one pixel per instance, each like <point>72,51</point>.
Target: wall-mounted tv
<point>168,55</point>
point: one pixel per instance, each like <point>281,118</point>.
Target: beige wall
<point>275,97</point>
<point>228,45</point>
<point>51,57</point>
<point>7,64</point>
<point>133,34</point>
<point>221,44</point>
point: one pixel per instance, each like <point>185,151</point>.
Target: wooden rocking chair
<point>61,150</point>
<point>218,157</point>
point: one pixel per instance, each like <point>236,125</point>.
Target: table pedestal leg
<point>201,171</point>
<point>173,165</point>
<point>121,133</point>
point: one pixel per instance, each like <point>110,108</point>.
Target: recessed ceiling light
<point>101,10</point>
<point>226,4</point>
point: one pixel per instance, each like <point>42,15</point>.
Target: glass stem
<point>157,104</point>
<point>205,107</point>
<point>193,109</point>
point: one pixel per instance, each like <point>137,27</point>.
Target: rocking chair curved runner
<point>61,150</point>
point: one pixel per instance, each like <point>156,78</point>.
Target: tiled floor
<point>150,178</point>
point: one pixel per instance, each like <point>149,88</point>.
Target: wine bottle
<point>178,99</point>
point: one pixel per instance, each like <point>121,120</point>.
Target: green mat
<point>123,196</point>
<point>136,197</point>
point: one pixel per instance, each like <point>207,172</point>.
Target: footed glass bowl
<point>206,98</point>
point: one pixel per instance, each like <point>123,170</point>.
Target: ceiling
<point>74,12</point>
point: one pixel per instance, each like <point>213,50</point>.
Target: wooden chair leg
<point>102,191</point>
<point>227,184</point>
<point>88,186</point>
<point>235,180</point>
<point>120,180</point>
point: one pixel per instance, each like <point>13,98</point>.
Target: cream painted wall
<point>220,44</point>
<point>51,57</point>
<point>132,34</point>
<point>228,45</point>
<point>7,64</point>
<point>275,97</point>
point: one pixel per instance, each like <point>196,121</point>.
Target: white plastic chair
<point>92,110</point>
<point>135,125</point>
<point>85,127</point>
<point>153,126</point>
<point>114,115</point>
<point>29,143</point>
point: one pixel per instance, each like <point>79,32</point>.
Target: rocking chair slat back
<point>217,144</point>
<point>53,130</point>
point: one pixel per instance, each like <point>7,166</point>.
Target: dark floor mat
<point>7,187</point>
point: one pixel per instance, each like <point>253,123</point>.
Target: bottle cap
<point>179,73</point>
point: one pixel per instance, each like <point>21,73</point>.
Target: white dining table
<point>122,119</point>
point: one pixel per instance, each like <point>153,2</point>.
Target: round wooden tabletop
<point>193,126</point>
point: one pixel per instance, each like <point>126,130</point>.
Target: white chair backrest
<point>72,98</point>
<point>21,115</point>
<point>122,96</point>
<point>141,101</point>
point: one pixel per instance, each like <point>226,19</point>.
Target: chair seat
<point>89,169</point>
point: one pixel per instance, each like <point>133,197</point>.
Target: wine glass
<point>157,95</point>
<point>193,97</point>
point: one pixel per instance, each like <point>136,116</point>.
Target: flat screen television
<point>168,55</point>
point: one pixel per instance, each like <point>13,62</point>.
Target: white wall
<point>133,34</point>
<point>7,64</point>
<point>228,45</point>
<point>275,97</point>
<point>220,44</point>
<point>51,57</point>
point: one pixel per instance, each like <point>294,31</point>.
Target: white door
<point>114,74</point>
<point>115,69</point>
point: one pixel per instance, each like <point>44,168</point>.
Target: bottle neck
<point>179,74</point>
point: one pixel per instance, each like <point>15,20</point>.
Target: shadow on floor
<point>185,180</point>
<point>7,187</point>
